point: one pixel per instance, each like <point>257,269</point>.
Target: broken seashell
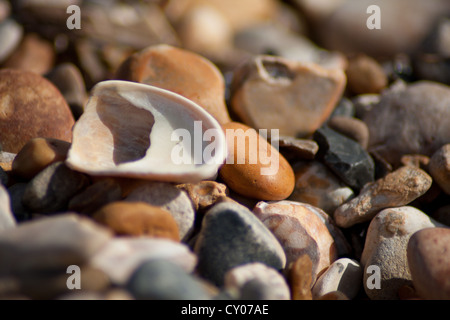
<point>133,130</point>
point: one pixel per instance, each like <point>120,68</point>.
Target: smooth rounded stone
<point>345,27</point>
<point>204,194</point>
<point>51,190</point>
<point>231,235</point>
<point>120,257</point>
<point>6,159</point>
<point>95,196</point>
<point>345,157</point>
<point>10,36</point>
<point>386,248</point>
<point>7,220</point>
<point>344,275</point>
<point>50,243</point>
<point>163,280</point>
<point>396,189</point>
<point>299,231</point>
<point>170,198</point>
<point>254,168</point>
<point>34,54</point>
<point>185,73</point>
<point>428,254</point>
<point>315,184</point>
<point>139,131</point>
<point>296,98</point>
<point>365,75</point>
<point>301,278</point>
<point>352,128</point>
<point>293,149</point>
<point>137,219</point>
<point>30,101</point>
<point>69,80</point>
<point>16,192</point>
<point>276,287</point>
<point>37,154</point>
<point>439,168</point>
<point>409,121</point>
<point>270,39</point>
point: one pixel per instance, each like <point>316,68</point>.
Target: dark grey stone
<point>16,192</point>
<point>345,157</point>
<point>163,280</point>
<point>232,235</point>
<point>51,190</point>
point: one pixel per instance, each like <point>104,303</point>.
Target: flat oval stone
<point>386,248</point>
<point>428,254</point>
<point>299,231</point>
<point>37,154</point>
<point>396,189</point>
<point>121,256</point>
<point>137,219</point>
<point>230,236</point>
<point>255,169</point>
<point>30,101</point>
<point>365,75</point>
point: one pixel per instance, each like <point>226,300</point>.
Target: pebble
<point>343,276</point>
<point>50,243</point>
<point>6,160</point>
<point>294,149</point>
<point>365,75</point>
<point>317,185</point>
<point>333,296</point>
<point>299,231</point>
<point>4,178</point>
<point>96,196</point>
<point>396,189</point>
<point>69,80</point>
<point>231,235</point>
<point>11,34</point>
<point>386,248</point>
<point>428,256</point>
<point>352,128</point>
<point>37,154</point>
<point>262,173</point>
<point>439,168</point>
<point>7,220</point>
<point>51,190</point>
<point>409,121</point>
<point>163,280</point>
<point>276,286</point>
<point>34,54</point>
<point>415,160</point>
<point>204,194</point>
<point>301,278</point>
<point>277,93</point>
<point>170,198</point>
<point>137,219</point>
<point>121,256</point>
<point>16,192</point>
<point>30,101</point>
<point>345,157</point>
<point>185,73</point>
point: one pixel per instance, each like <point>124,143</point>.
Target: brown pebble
<point>30,101</point>
<point>301,278</point>
<point>262,174</point>
<point>335,295</point>
<point>352,128</point>
<point>205,193</point>
<point>365,75</point>
<point>138,219</point>
<point>38,154</point>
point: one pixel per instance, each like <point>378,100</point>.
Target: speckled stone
<point>299,231</point>
<point>386,247</point>
<point>396,189</point>
<point>119,257</point>
<point>277,288</point>
<point>428,255</point>
<point>344,275</point>
<point>231,235</point>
